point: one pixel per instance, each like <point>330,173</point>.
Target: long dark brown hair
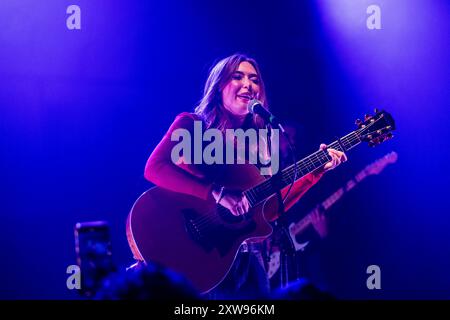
<point>211,108</point>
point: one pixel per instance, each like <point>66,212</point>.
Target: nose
<point>246,83</point>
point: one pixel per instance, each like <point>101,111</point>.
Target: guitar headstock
<point>376,129</point>
<point>378,166</point>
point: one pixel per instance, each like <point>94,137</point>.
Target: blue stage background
<point>81,110</point>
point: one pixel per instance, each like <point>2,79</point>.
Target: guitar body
<point>196,238</point>
<point>298,246</point>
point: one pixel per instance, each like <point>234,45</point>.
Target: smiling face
<point>243,87</point>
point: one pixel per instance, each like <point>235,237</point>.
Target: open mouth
<point>246,97</point>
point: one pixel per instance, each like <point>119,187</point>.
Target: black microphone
<point>256,107</point>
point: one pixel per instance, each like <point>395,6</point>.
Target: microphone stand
<point>286,247</point>
<point>276,179</point>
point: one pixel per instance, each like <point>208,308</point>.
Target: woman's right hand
<point>235,201</point>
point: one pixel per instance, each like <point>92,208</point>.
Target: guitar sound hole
<point>214,233</point>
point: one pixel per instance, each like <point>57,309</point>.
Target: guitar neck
<point>374,168</point>
<point>300,169</point>
<point>331,200</point>
<point>301,225</point>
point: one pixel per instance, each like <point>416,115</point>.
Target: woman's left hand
<point>337,157</point>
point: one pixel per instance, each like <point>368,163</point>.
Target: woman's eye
<point>255,80</point>
<point>237,77</point>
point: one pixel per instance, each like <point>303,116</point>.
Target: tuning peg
<point>367,117</point>
<point>375,110</point>
<point>358,122</point>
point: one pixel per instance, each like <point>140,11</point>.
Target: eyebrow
<point>250,74</point>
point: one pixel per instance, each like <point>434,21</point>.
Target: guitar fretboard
<point>296,171</point>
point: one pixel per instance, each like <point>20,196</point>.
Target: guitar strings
<point>211,217</point>
<point>288,172</point>
<point>354,136</point>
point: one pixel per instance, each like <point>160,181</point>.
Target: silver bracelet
<point>220,194</point>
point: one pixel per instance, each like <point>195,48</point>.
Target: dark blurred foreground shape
<point>146,282</point>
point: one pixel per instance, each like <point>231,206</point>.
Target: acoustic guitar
<point>200,239</point>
